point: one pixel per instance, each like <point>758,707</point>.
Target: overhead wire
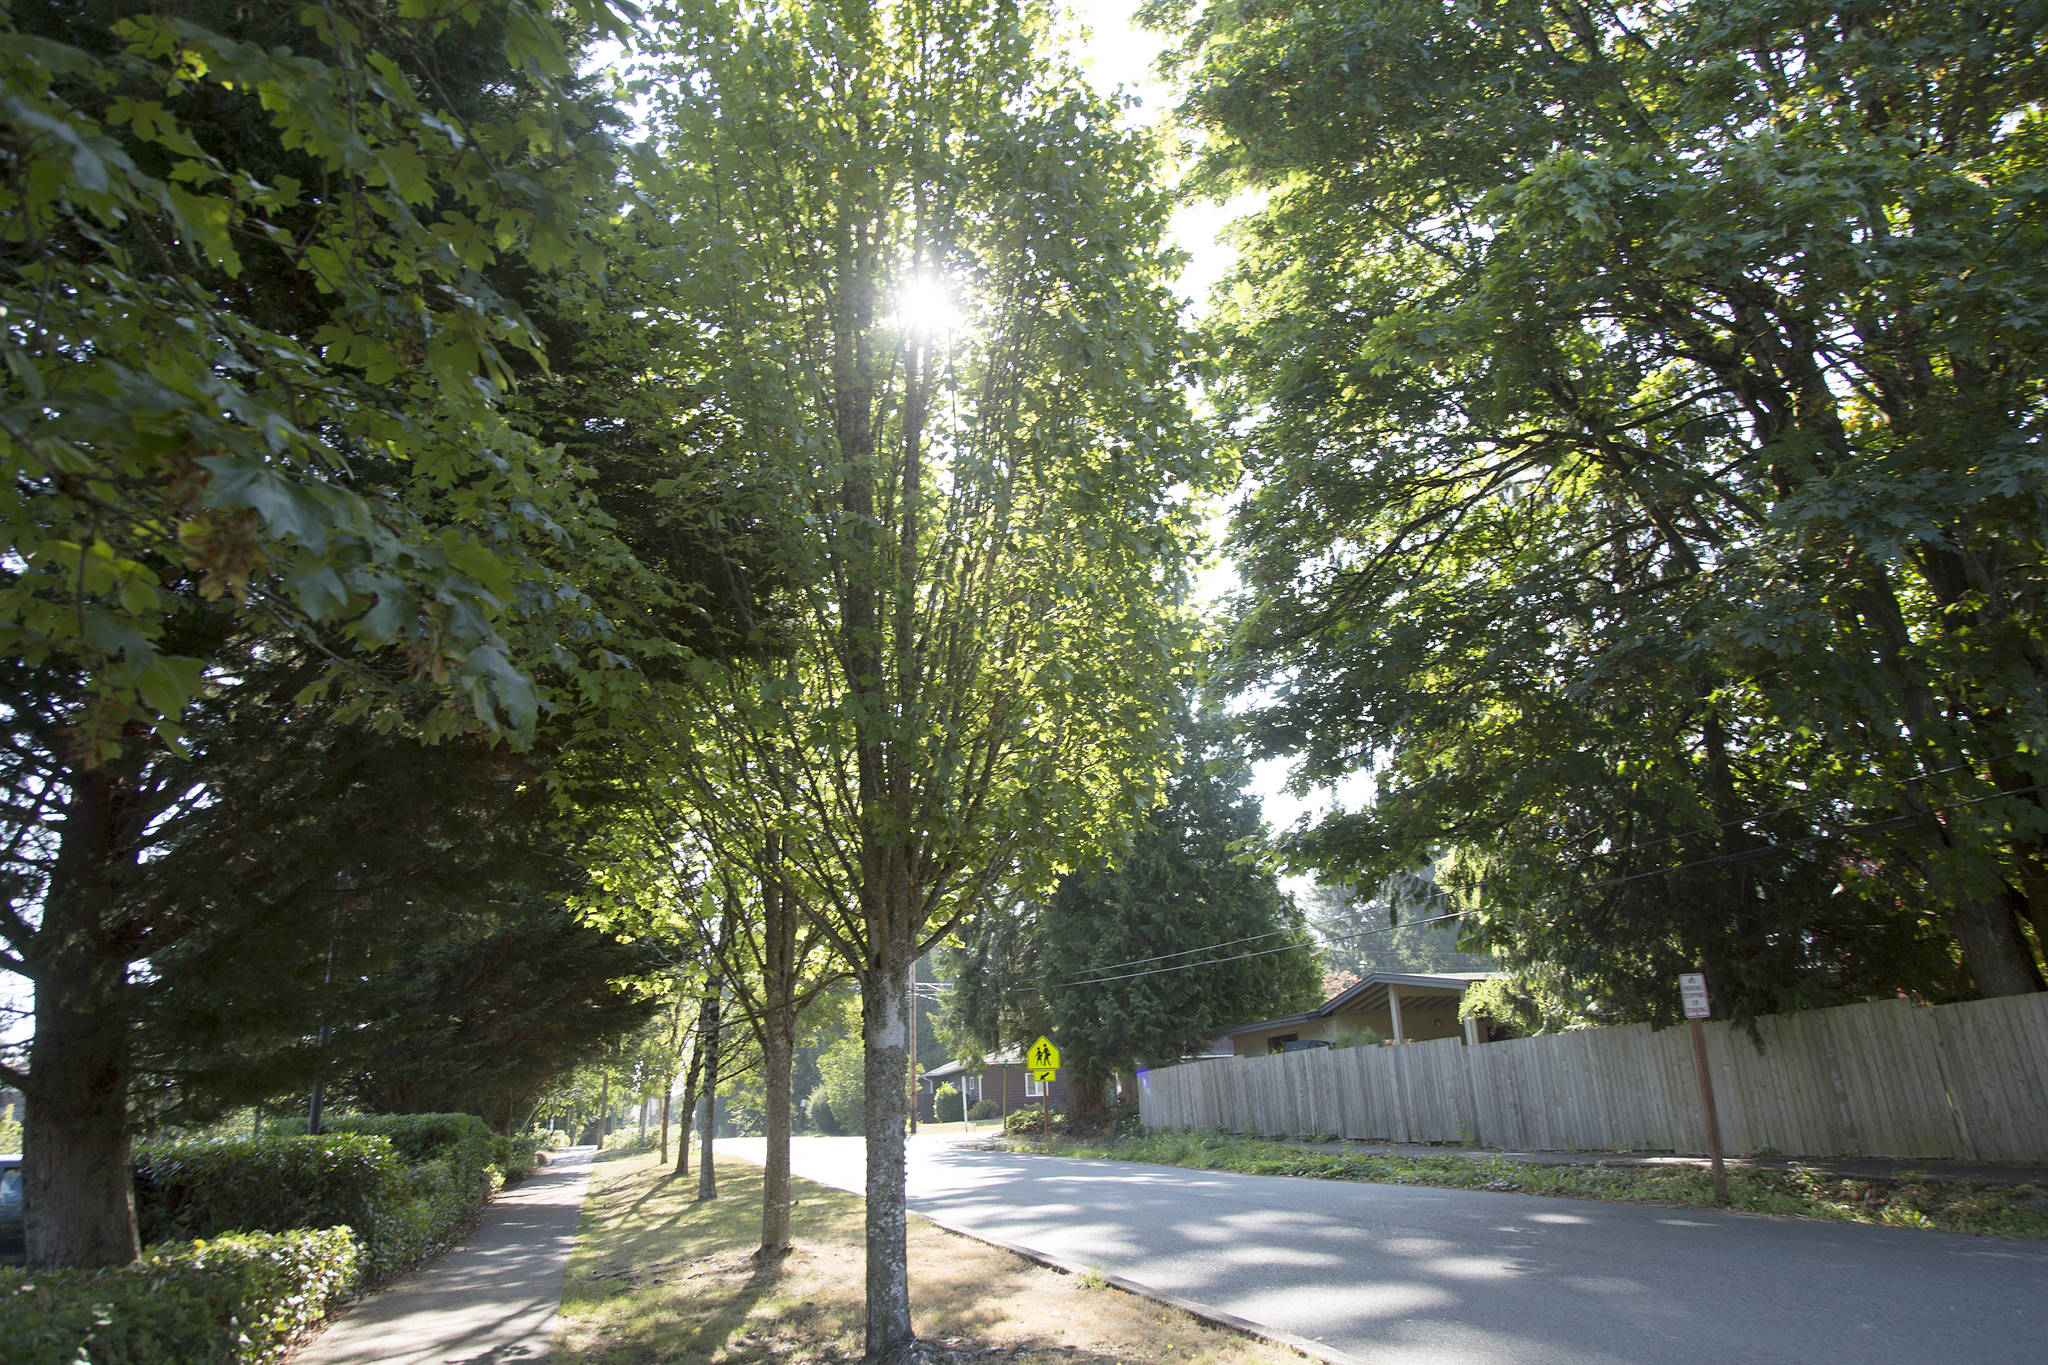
<point>1090,978</point>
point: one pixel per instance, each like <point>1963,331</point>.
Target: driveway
<point>1402,1273</point>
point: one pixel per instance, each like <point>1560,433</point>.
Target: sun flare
<point>929,307</point>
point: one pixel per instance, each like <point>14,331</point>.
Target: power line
<point>1263,952</point>
<point>1741,855</point>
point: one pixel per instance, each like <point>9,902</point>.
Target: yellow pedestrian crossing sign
<point>1043,1058</point>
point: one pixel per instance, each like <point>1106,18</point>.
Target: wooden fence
<point>1964,1082</point>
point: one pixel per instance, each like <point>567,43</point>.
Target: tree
<point>1645,403</point>
<point>1361,934</point>
<point>1116,964</point>
<point>255,456</point>
<point>970,540</point>
<point>484,1021</point>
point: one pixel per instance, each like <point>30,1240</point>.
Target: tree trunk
<point>707,1171</point>
<point>707,1174</point>
<point>668,1075</point>
<point>691,1085</point>
<point>885,1029</point>
<point>1993,948</point>
<point>604,1106</point>
<point>1087,1100</point>
<point>778,1049</point>
<point>77,1178</point>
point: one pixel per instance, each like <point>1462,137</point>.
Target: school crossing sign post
<point>1044,1060</point>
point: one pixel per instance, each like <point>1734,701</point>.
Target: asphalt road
<point>1458,1277</point>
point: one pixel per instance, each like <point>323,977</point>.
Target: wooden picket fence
<point>1964,1082</point>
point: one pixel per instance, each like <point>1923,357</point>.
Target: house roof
<point>1370,990</point>
<point>957,1066</point>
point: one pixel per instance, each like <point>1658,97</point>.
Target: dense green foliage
<point>1115,965</point>
<point>1645,404</point>
<point>479,1017</point>
<point>255,349</point>
<point>263,273</point>
<point>965,541</point>
<point>403,1184</point>
<point>268,1184</point>
<point>240,1299</point>
<point>947,1106</point>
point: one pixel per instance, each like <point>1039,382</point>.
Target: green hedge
<point>267,1184</point>
<point>515,1157</point>
<point>463,1139</point>
<point>234,1300</point>
<point>406,1184</point>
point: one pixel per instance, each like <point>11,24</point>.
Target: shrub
<point>464,1139</point>
<point>551,1142</point>
<point>406,1184</point>
<point>515,1156</point>
<point>985,1109</point>
<point>266,1184</point>
<point>238,1299</point>
<point>1030,1122</point>
<point>946,1107</point>
<point>819,1111</point>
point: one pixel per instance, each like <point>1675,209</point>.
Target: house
<point>1401,1007</point>
<point>1004,1078</point>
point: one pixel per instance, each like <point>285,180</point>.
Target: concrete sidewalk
<point>493,1298</point>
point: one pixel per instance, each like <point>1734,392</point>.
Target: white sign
<point>1692,989</point>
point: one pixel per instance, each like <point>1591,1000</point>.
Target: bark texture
<point>885,1028</point>
<point>77,1179</point>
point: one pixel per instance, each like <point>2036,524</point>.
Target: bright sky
<point>1115,53</point>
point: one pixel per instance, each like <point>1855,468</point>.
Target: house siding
<point>999,1081</point>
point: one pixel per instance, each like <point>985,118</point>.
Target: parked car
<point>11,1246</point>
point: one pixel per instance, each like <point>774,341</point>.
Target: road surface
<point>1384,1273</point>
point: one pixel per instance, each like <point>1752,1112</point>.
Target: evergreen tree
<point>259,472</point>
<point>1116,965</point>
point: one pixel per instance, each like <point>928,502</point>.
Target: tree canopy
<point>968,539</point>
<point>1645,410</point>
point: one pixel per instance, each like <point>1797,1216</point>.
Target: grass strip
<point>1993,1210</point>
<point>659,1277</point>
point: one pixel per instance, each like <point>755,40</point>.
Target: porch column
<point>1394,1011</point>
<point>1471,1029</point>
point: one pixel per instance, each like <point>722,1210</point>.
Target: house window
<point>1279,1043</point>
<point>970,1088</point>
<point>1033,1087</point>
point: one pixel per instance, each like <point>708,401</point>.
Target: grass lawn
<point>1798,1192</point>
<point>659,1277</point>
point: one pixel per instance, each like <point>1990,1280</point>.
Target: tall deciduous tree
<point>1647,407</point>
<point>972,531</point>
